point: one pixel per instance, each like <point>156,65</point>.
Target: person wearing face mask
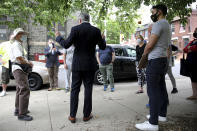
<point>17,57</point>
<point>156,53</point>
<point>52,63</point>
<point>140,72</point>
<point>191,50</point>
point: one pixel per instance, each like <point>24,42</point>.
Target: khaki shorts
<point>5,76</point>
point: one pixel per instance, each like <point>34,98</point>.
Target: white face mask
<point>139,41</point>
<point>50,45</point>
<point>24,38</point>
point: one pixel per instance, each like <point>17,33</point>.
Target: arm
<point>193,48</point>
<point>153,40</point>
<point>65,65</point>
<point>113,56</point>
<point>68,42</point>
<point>57,51</point>
<point>176,52</point>
<point>97,58</point>
<point>186,49</point>
<point>23,61</point>
<point>101,41</point>
<point>47,52</point>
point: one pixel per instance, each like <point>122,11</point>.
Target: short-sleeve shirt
<point>139,51</point>
<point>16,50</point>
<point>162,29</point>
<point>69,55</point>
<point>105,56</point>
<point>5,52</point>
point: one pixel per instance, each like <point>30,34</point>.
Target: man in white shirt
<point>17,56</point>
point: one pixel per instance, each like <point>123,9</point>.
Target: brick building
<point>181,35</point>
<point>38,35</point>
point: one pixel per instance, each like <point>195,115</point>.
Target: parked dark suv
<point>124,64</point>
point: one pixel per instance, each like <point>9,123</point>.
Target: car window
<point>118,51</point>
<point>131,52</point>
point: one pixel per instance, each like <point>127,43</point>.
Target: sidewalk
<point>117,111</point>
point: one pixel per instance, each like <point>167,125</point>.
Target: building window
<point>182,28</point>
<point>173,28</point>
<point>185,41</point>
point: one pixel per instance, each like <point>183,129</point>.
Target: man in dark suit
<point>85,37</point>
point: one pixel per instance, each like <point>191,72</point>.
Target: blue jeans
<point>107,72</point>
<point>156,88</point>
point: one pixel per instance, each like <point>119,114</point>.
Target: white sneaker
<point>161,118</point>
<point>3,93</point>
<point>146,126</point>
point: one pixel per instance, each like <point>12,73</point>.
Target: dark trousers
<point>156,88</point>
<point>53,76</point>
<point>22,91</point>
<point>88,78</point>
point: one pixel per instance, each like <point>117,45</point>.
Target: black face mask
<point>195,34</point>
<point>154,17</point>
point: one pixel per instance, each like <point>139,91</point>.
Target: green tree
<point>113,32</point>
<point>46,12</point>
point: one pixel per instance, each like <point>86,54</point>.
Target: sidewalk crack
<point>49,111</point>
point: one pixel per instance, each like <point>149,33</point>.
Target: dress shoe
<point>50,89</point>
<point>16,112</point>
<point>174,90</point>
<point>25,118</point>
<point>87,118</point>
<point>192,98</point>
<point>72,119</point>
<point>58,88</point>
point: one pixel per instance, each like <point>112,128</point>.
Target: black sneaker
<point>25,118</point>
<point>16,112</point>
<point>174,90</point>
<point>67,90</point>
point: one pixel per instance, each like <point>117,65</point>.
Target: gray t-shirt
<point>162,29</point>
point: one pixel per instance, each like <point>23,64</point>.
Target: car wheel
<point>35,81</point>
<point>98,78</point>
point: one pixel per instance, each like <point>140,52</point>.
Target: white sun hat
<point>17,31</point>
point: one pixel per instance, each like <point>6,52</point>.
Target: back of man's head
<point>85,17</point>
<point>161,7</point>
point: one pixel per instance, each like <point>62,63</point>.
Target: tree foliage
<point>112,32</point>
<point>46,12</point>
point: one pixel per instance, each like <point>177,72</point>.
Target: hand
<point>54,49</point>
<point>65,66</point>
<point>3,62</point>
<point>144,55</point>
<point>103,36</point>
<point>57,33</point>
